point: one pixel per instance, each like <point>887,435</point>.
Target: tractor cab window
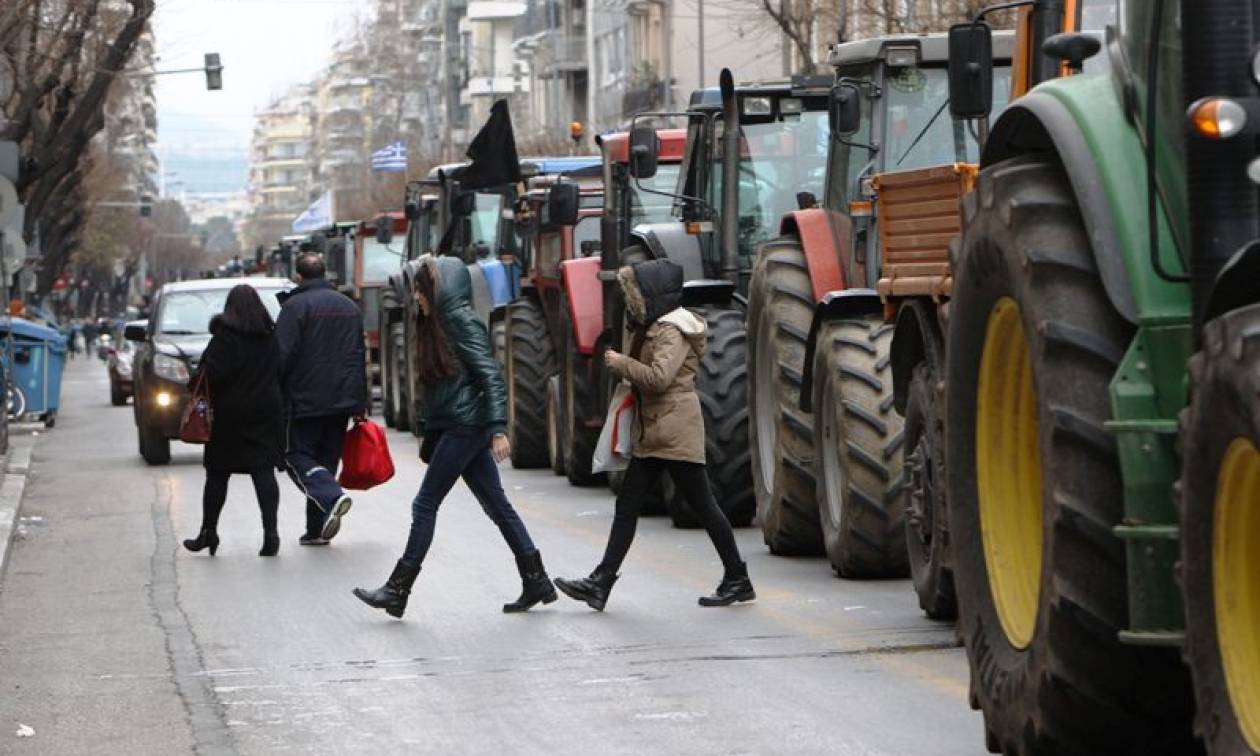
<point>484,241</point>
<point>919,131</point>
<point>587,229</point>
<point>853,158</point>
<point>777,160</point>
<point>646,207</point>
<point>380,260</point>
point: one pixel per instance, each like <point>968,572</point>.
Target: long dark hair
<point>245,313</point>
<point>434,360</point>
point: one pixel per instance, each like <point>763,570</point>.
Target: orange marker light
<point>1217,118</point>
<point>576,131</point>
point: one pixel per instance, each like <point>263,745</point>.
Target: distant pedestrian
<point>668,341</point>
<point>242,367</point>
<point>463,421</point>
<point>324,380</point>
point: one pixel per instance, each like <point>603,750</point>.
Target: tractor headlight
<point>170,368</point>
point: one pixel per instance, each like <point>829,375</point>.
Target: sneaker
<point>332,521</point>
<point>312,540</point>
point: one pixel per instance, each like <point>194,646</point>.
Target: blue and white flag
<point>318,215</point>
<point>390,158</point>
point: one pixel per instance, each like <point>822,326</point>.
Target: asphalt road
<point>113,639</point>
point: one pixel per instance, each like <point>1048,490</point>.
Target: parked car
<point>118,360</point>
<point>168,351</point>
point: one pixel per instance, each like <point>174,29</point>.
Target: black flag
<point>493,153</point>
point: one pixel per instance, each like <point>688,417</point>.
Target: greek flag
<point>318,215</point>
<point>390,159</point>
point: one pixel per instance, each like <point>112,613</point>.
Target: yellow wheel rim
<point>1008,473</point>
<point>1236,581</point>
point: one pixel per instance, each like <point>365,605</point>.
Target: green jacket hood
<point>454,284</point>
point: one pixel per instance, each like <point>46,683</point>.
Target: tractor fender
<point>916,338</point>
<point>1235,285</point>
<point>824,235</point>
<point>1039,122</point>
<point>835,305</point>
<point>582,290</point>
<point>498,281</point>
<point>671,241</point>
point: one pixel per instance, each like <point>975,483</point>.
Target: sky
<point>265,45</point>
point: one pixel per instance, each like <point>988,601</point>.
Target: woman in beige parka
<point>665,351</point>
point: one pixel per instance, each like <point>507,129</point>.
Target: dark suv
<point>168,352</point>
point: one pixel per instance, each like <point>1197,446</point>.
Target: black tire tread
<point>531,361</point>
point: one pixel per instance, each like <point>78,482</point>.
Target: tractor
<point>734,185</point>
<point>1101,413</point>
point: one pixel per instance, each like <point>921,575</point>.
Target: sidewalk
<point>22,441</point>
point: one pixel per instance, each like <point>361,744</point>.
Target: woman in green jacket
<point>463,418</point>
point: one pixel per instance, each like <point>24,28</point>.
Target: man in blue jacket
<point>324,379</point>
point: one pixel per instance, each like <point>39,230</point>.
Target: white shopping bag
<point>612,452</point>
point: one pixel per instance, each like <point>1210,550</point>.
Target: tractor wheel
<point>389,399</point>
<point>576,380</point>
<point>1034,484</point>
<point>1220,533</point>
<point>555,439</point>
<point>498,341</point>
<point>401,381</point>
<point>722,385</point>
<point>409,417</point>
<point>780,311</point>
<point>923,498</point>
<point>530,362</point>
<point>858,436</point>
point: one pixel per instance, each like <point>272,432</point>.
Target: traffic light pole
<point>213,70</point>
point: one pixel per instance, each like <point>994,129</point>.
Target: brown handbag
<point>194,425</point>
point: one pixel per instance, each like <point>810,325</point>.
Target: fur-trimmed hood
<point>651,289</point>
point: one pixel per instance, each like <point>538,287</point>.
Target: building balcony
<point>494,10</point>
<point>494,86</point>
<point>640,97</point>
<point>278,162</point>
<point>566,53</point>
<point>278,188</point>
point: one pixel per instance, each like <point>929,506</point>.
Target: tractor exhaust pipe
<point>1224,206</point>
<point>728,238</point>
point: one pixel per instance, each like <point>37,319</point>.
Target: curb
<point>12,487</point>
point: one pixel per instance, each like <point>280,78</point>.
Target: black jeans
<point>692,482</point>
<point>312,456</point>
<point>463,452</point>
<point>215,495</point>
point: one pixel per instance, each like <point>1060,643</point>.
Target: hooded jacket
<point>668,423</point>
<point>476,396</point>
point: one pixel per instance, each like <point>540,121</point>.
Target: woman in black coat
<point>242,367</point>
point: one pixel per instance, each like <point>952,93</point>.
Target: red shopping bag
<point>365,460</point>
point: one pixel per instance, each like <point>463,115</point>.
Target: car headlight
<point>170,368</point>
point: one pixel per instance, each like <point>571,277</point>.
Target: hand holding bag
<point>616,439</point>
<point>365,459</point>
<point>198,415</point>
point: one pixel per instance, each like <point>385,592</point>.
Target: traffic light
<point>146,205</point>
<point>214,72</point>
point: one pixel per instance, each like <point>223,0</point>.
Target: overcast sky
<point>266,46</point>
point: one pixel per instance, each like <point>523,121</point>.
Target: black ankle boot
<point>392,597</point>
<point>271,545</point>
<point>593,590</point>
<point>735,586</point>
<point>205,539</point>
<point>535,585</point>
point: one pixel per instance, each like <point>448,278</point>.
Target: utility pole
<point>700,46</point>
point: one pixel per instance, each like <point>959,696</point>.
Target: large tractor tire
<point>1220,533</point>
<point>722,385</point>
<point>1034,485</point>
<point>576,386</point>
<point>555,442</point>
<point>780,311</point>
<point>858,436</point>
<point>531,360</point>
<point>498,341</point>
<point>391,342</point>
<point>409,418</point>
<point>923,497</point>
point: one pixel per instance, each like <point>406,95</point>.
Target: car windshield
<point>920,131</point>
<point>380,260</point>
<point>187,313</point>
<point>485,223</point>
<point>777,161</point>
<point>646,207</point>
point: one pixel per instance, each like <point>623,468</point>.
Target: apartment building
<point>283,163</point>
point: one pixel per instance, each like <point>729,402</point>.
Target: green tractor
<point>1102,390</point>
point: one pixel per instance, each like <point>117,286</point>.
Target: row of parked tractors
<point>982,310</point>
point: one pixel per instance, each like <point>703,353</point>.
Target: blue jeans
<point>463,452</point>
